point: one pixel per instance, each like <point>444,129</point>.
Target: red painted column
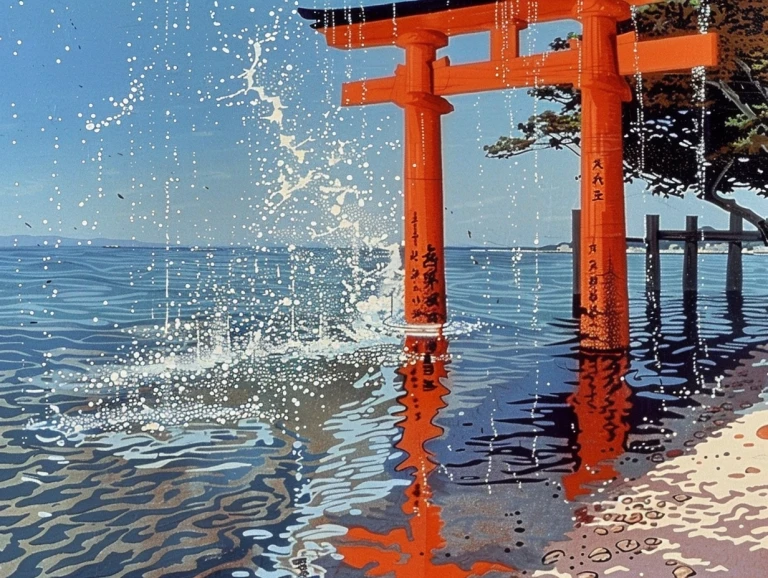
<point>423,187</point>
<point>604,295</point>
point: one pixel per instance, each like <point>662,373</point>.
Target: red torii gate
<point>596,65</point>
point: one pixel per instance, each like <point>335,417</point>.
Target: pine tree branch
<point>711,195</point>
<point>762,90</point>
<point>743,107</point>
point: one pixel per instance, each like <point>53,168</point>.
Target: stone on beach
<point>600,555</point>
<point>701,511</point>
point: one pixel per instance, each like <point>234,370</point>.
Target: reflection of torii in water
<point>408,552</point>
<point>601,403</point>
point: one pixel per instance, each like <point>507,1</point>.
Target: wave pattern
<point>237,422</point>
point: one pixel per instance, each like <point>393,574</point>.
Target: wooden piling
<point>735,275</point>
<point>652,258</point>
<point>576,254</point>
<point>690,258</point>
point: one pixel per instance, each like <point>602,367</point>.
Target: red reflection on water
<point>407,552</point>
<point>601,404</point>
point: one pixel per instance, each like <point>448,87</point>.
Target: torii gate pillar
<point>604,297</point>
<point>423,194</point>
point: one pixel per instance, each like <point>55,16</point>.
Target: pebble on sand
<point>684,572</point>
<point>600,555</point>
<point>627,545</point>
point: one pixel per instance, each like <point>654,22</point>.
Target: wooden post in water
<point>690,258</point>
<point>576,254</point>
<point>652,259</point>
<point>735,274</point>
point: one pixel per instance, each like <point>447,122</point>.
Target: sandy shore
<point>702,511</point>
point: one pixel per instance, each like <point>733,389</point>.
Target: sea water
<point>234,412</point>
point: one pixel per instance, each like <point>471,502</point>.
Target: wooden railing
<point>691,237</point>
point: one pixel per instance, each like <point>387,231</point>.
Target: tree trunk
<point>731,206</point>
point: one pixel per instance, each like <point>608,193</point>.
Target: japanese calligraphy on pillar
<point>413,263</point>
<point>424,278</point>
<point>598,195</point>
<point>432,297</point>
<point>598,182</point>
<point>592,293</point>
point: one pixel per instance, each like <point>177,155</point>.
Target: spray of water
<point>640,123</point>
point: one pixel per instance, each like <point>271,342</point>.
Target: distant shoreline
<point>54,242</point>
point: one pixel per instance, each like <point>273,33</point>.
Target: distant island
<point>11,241</point>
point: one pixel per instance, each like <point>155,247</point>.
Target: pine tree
<point>666,143</point>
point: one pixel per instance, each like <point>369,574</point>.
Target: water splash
<point>640,123</point>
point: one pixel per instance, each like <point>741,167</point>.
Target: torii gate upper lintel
<point>596,65</point>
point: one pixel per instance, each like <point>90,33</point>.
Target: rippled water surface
<point>235,413</point>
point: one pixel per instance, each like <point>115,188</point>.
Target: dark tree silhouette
<point>707,136</point>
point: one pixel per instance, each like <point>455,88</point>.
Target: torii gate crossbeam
<point>596,65</point>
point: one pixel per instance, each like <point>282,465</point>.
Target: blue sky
<point>136,120</point>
